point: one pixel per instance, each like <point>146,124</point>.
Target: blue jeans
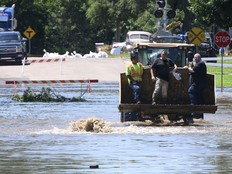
<point>196,98</point>
<point>136,88</point>
<point>196,94</point>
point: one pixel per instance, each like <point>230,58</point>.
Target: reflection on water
<point>36,137</point>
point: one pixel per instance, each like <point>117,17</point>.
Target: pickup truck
<point>12,46</point>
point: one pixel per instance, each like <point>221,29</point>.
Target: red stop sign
<point>222,39</point>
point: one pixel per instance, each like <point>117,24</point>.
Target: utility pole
<point>118,31</point>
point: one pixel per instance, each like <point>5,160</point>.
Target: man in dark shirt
<point>198,81</point>
<point>160,75</point>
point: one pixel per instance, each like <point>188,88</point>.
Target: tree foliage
<point>68,25</point>
<point>208,12</point>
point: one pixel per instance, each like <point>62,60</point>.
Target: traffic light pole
<point>165,17</point>
<point>164,13</point>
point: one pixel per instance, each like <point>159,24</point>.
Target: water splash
<point>95,125</point>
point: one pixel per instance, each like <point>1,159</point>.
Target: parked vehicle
<point>178,106</point>
<point>7,20</point>
<point>206,48</point>
<point>135,37</point>
<point>132,38</point>
<point>12,46</point>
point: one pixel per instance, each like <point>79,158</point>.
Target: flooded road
<point>35,137</point>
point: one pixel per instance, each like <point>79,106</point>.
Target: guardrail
<point>215,58</point>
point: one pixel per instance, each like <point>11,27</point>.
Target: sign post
<point>222,39</point>
<point>29,33</point>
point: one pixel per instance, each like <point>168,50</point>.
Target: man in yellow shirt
<point>134,74</point>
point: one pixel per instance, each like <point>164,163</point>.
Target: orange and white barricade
<point>44,60</point>
<point>42,82</point>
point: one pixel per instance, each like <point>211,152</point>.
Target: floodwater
<point>36,137</point>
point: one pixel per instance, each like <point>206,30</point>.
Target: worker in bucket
<point>134,73</point>
<point>160,70</point>
<point>198,80</point>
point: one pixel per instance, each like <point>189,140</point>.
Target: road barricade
<point>43,60</point>
<point>42,82</point>
<point>35,82</point>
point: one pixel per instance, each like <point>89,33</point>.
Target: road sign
<point>165,21</point>
<point>29,32</point>
<point>196,36</point>
<point>222,39</point>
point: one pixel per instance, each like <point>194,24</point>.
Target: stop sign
<point>222,39</point>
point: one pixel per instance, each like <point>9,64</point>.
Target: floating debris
<point>45,95</point>
<point>94,167</point>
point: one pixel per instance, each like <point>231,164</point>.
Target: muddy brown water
<point>36,137</point>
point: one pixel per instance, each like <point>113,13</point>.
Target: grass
<point>227,75</point>
<point>225,61</point>
<point>122,55</point>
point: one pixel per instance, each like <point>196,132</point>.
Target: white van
<point>134,37</point>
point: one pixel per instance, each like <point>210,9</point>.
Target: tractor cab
<point>178,52</point>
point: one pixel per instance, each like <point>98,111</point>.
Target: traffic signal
<point>161,3</point>
<point>171,14</point>
<point>158,13</point>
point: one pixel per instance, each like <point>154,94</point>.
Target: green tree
<point>68,25</point>
<point>208,12</point>
<point>119,16</point>
<point>99,16</point>
<point>183,14</point>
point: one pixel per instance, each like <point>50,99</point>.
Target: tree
<point>120,16</point>
<point>68,29</point>
<point>210,12</point>
<point>68,25</point>
<point>183,14</point>
<point>99,16</point>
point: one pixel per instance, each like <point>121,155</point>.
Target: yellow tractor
<point>178,105</point>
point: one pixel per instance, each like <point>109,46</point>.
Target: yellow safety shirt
<point>136,71</point>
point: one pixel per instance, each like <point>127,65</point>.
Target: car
<point>135,37</point>
<point>132,38</point>
<point>12,46</point>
